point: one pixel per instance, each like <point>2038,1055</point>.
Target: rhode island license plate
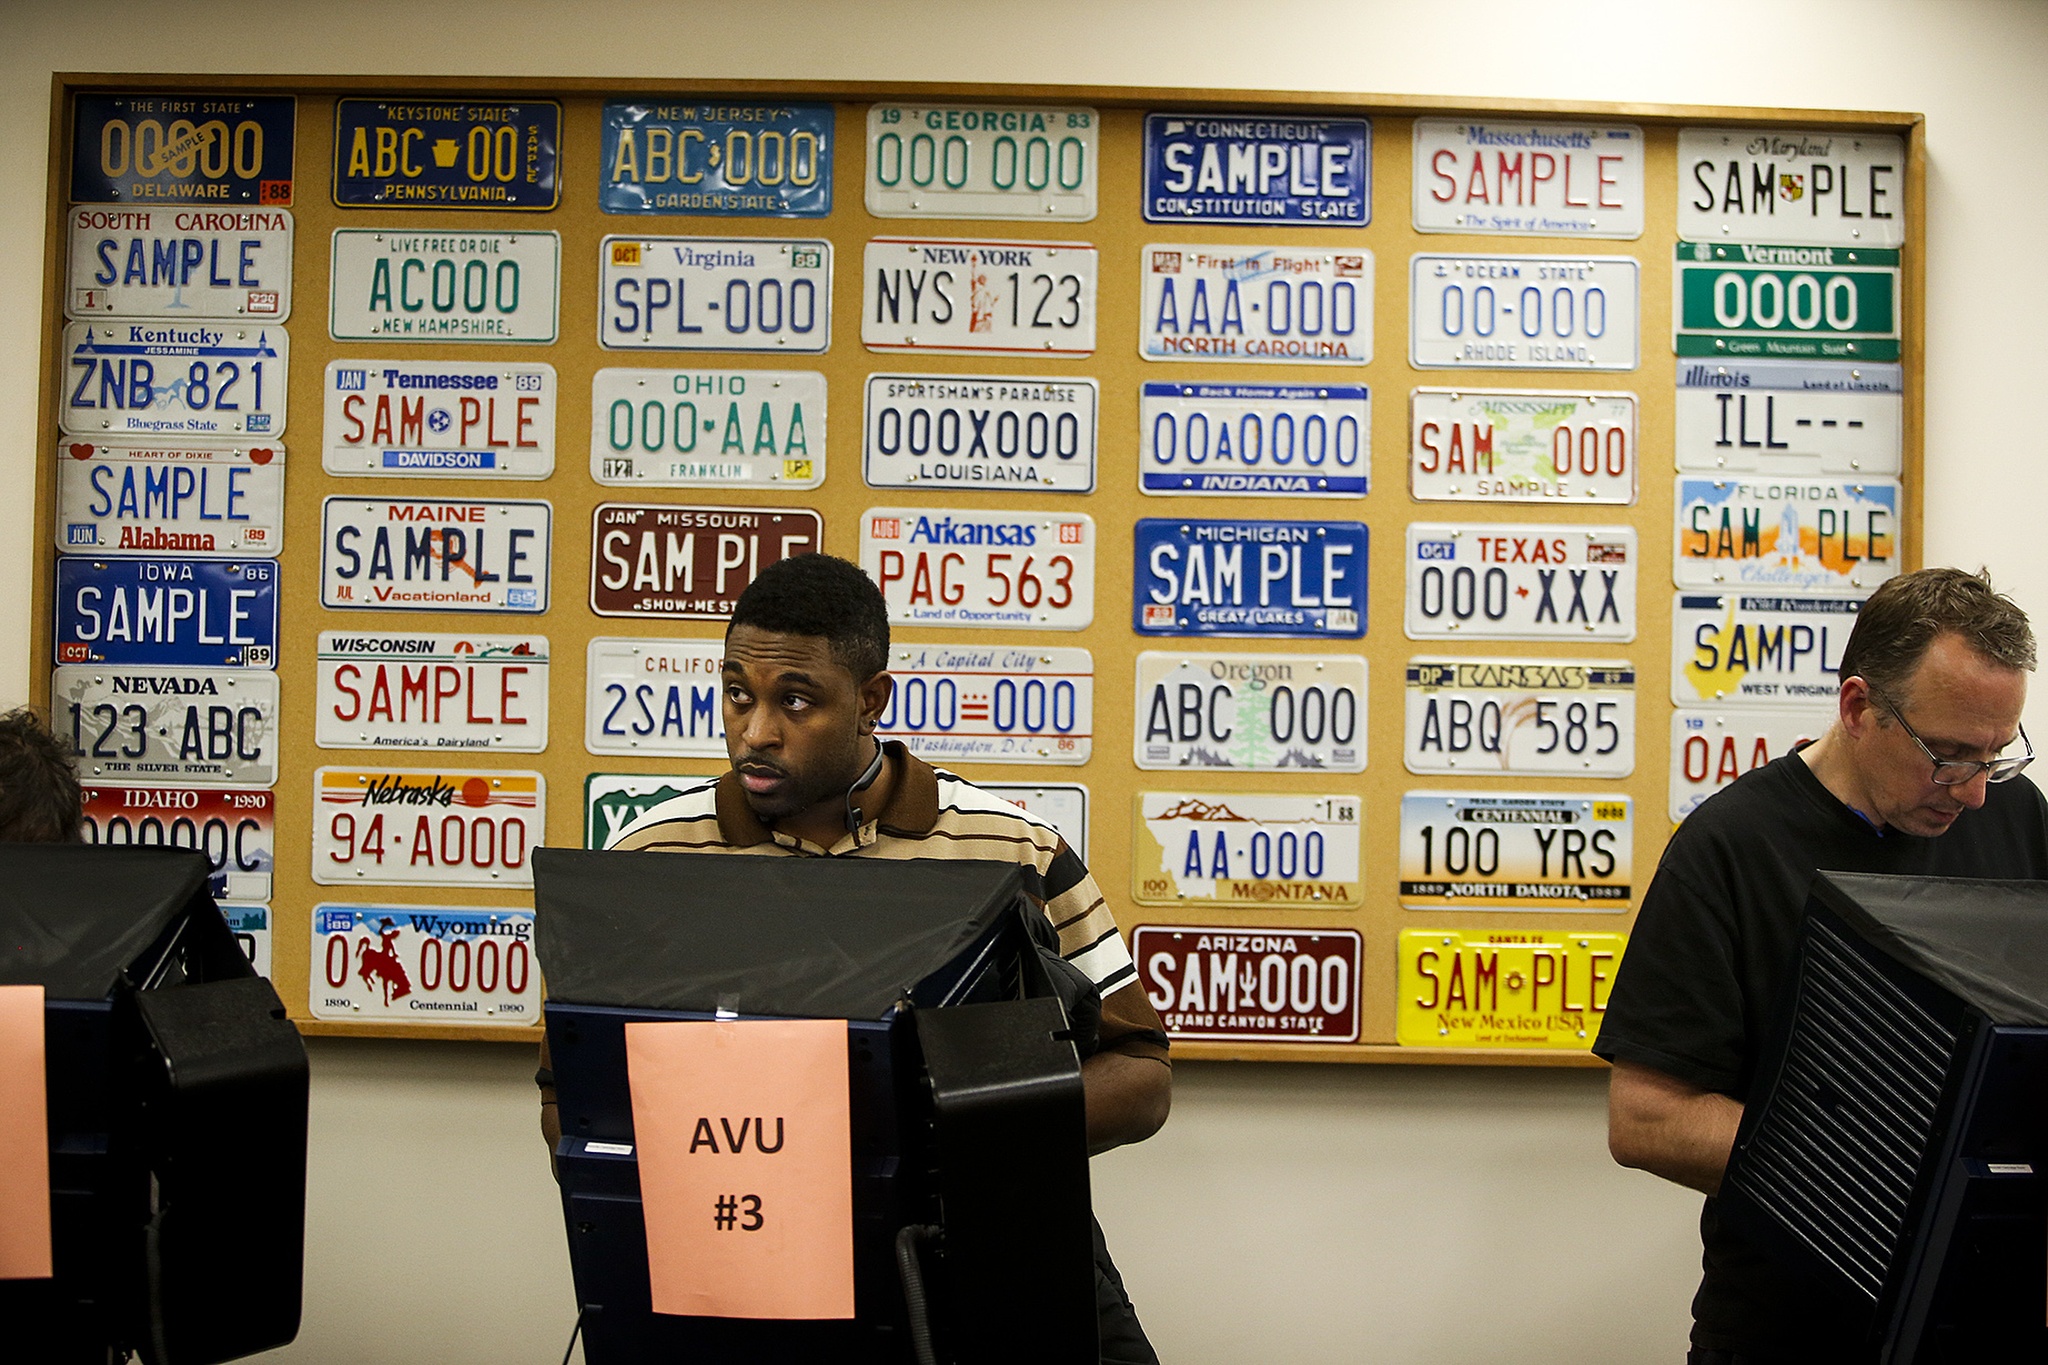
<point>1794,535</point>
<point>978,297</point>
<point>707,428</point>
<point>440,286</point>
<point>992,704</point>
<point>1711,748</point>
<point>1473,988</point>
<point>377,690</point>
<point>1244,848</point>
<point>449,418</point>
<point>425,827</point>
<point>981,161</point>
<point>204,613</point>
<point>1512,581</point>
<point>1522,445</point>
<point>1276,305</point>
<point>421,964</point>
<point>1251,985</point>
<point>236,830</point>
<point>1249,578</point>
<point>716,294</point>
<point>172,498</point>
<point>1748,648</point>
<point>1515,851</point>
<point>689,563</point>
<point>210,725</point>
<point>422,554</point>
<point>174,379</point>
<point>1790,418</point>
<point>1251,712</point>
<point>1521,717</point>
<point>1020,432</point>
<point>658,697</point>
<point>958,566</point>
<point>180,263</point>
<point>1523,312</point>
<point>1255,440</point>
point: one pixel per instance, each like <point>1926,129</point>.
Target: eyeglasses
<point>1954,772</point>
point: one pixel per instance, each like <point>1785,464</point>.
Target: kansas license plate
<point>1799,535</point>
<point>1274,305</point>
<point>689,563</point>
<point>1244,848</point>
<point>1255,440</point>
<point>447,964</point>
<point>212,725</point>
<point>1262,169</point>
<point>1515,851</point>
<point>1213,984</point>
<point>447,154</point>
<point>1520,717</point>
<point>959,566</point>
<point>1063,805</point>
<point>200,613</point>
<point>1251,712</point>
<point>180,263</point>
<point>1711,748</point>
<point>1035,434</point>
<point>1818,187</point>
<point>236,831</point>
<point>439,418</point>
<point>1790,418</point>
<point>171,498</point>
<point>250,924</point>
<point>992,703</point>
<point>978,298</point>
<point>1522,445</point>
<point>1785,302</point>
<point>1523,312</point>
<point>172,379</point>
<point>659,697</point>
<point>707,428</point>
<point>431,554</point>
<point>1472,988</point>
<point>715,294</point>
<point>1528,179</point>
<point>426,827</point>
<point>1513,581</point>
<point>444,286</point>
<point>981,161</point>
<point>1249,578</point>
<point>401,690</point>
<point>178,147</point>
<point>1742,647</point>
<point>612,801</point>
<point>716,160</point>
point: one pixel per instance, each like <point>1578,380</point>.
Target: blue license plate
<point>201,613</point>
<point>447,154</point>
<point>176,148</point>
<point>1248,578</point>
<point>717,160</point>
<point>1252,168</point>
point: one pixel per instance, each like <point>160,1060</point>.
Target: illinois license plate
<point>447,154</point>
<point>1272,171</point>
<point>1786,302</point>
<point>992,704</point>
<point>1255,440</point>
<point>425,827</point>
<point>1470,988</point>
<point>707,428</point>
<point>1790,418</point>
<point>1251,712</point>
<point>1522,445</point>
<point>1275,305</point>
<point>170,379</point>
<point>171,498</point>
<point>689,563</point>
<point>445,964</point>
<point>980,431</point>
<point>212,725</point>
<point>959,566</point>
<point>1799,535</point>
<point>981,161</point>
<point>1821,187</point>
<point>1515,851</point>
<point>250,924</point>
<point>1214,984</point>
<point>236,831</point>
<point>1513,581</point>
<point>407,285</point>
<point>657,697</point>
<point>1063,805</point>
<point>1244,848</point>
<point>1521,717</point>
<point>612,801</point>
<point>400,690</point>
<point>1249,578</point>
<point>978,298</point>
<point>1523,312</point>
<point>715,294</point>
<point>180,263</point>
<point>181,147</point>
<point>202,613</point>
<point>716,160</point>
<point>1748,648</point>
<point>427,554</point>
<point>439,418</point>
<point>1528,179</point>
<point>1711,748</point>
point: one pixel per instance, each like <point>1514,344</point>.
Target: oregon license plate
<point>707,428</point>
<point>441,286</point>
<point>958,566</point>
<point>439,418</point>
<point>1513,581</point>
<point>426,827</point>
<point>1740,647</point>
<point>1214,984</point>
<point>715,294</point>
<point>171,498</point>
<point>235,830</point>
<point>1251,712</point>
<point>1528,179</point>
<point>420,964</point>
<point>658,697</point>
<point>1258,169</point>
<point>426,554</point>
<point>689,563</point>
<point>1523,312</point>
<point>403,690</point>
<point>1244,848</point>
<point>174,379</point>
<point>447,154</point>
<point>180,263</point>
<point>978,297</point>
<point>716,160</point>
<point>1275,305</point>
<point>178,146</point>
<point>1472,988</point>
<point>1255,440</point>
<point>1522,445</point>
<point>1063,805</point>
<point>992,703</point>
<point>1711,748</point>
<point>981,161</point>
<point>1032,434</point>
<point>212,725</point>
<point>1249,578</point>
<point>202,613</point>
<point>250,924</point>
<point>1785,302</point>
<point>613,801</point>
<point>1790,418</point>
<point>1515,851</point>
<point>1520,717</point>
<point>1823,187</point>
<point>1797,535</point>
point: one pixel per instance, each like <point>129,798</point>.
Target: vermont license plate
<point>236,830</point>
<point>1522,445</point>
<point>1711,748</point>
<point>1742,647</point>
<point>204,613</point>
<point>1515,851</point>
<point>1523,312</point>
<point>1063,805</point>
<point>405,690</point>
<point>1250,712</point>
<point>1528,179</point>
<point>422,554</point>
<point>715,294</point>
<point>1034,434</point>
<point>1520,717</point>
<point>952,297</point>
<point>445,964</point>
<point>1276,305</point>
<point>1817,187</point>
<point>174,379</point>
<point>1214,984</point>
<point>180,147</point>
<point>1259,169</point>
<point>707,428</point>
<point>1472,988</point>
<point>981,161</point>
<point>426,827</point>
<point>1244,848</point>
<point>992,704</point>
<point>1790,418</point>
<point>180,263</point>
<point>211,725</point>
<point>958,566</point>
<point>447,154</point>
<point>1512,581</point>
<point>659,697</point>
<point>689,563</point>
<point>1798,535</point>
<point>613,801</point>
<point>169,498</point>
<point>1255,440</point>
<point>439,418</point>
<point>1785,302</point>
<point>411,285</point>
<point>716,160</point>
<point>1249,578</point>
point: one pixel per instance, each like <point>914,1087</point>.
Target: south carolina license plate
<point>377,690</point>
<point>1258,169</point>
<point>613,801</point>
<point>1748,648</point>
<point>1785,302</point>
<point>717,160</point>
<point>1244,848</point>
<point>180,263</point>
<point>213,725</point>
<point>707,428</point>
<point>443,964</point>
<point>1790,418</point>
<point>408,285</point>
<point>165,379</point>
<point>422,554</point>
<point>992,704</point>
<point>715,294</point>
<point>1063,805</point>
<point>182,145</point>
<point>1275,305</point>
<point>1470,988</point>
<point>1255,440</point>
<point>1797,535</point>
<point>957,566</point>
<point>447,154</point>
<point>425,827</point>
<point>689,563</point>
<point>1816,186</point>
<point>1523,312</point>
<point>207,613</point>
<point>1033,434</point>
<point>657,697</point>
<point>1710,749</point>
<point>446,418</point>
<point>981,161</point>
<point>1522,445</point>
<point>235,830</point>
<point>1512,581</point>
<point>1249,578</point>
<point>1528,179</point>
<point>174,498</point>
<point>1515,851</point>
<point>977,297</point>
<point>1251,985</point>
<point>1521,717</point>
<point>1251,712</point>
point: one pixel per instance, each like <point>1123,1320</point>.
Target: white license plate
<point>1749,648</point>
<point>978,297</point>
<point>1274,305</point>
<point>992,703</point>
<point>1063,805</point>
<point>250,924</point>
<point>1810,187</point>
<point>958,566</point>
<point>1523,312</point>
<point>657,697</point>
<point>613,801</point>
<point>1788,535</point>
<point>1034,434</point>
<point>1515,851</point>
<point>1711,748</point>
<point>1520,717</point>
<point>176,498</point>
<point>715,294</point>
<point>236,830</point>
<point>443,286</point>
<point>180,263</point>
<point>422,964</point>
<point>167,379</point>
<point>707,428</point>
<point>1513,581</point>
<point>1255,440</point>
<point>1250,712</point>
<point>449,418</point>
<point>1245,848</point>
<point>156,724</point>
<point>981,161</point>
<point>1528,179</point>
<point>399,690</point>
<point>1522,445</point>
<point>1790,418</point>
<point>426,827</point>
<point>1219,984</point>
<point>426,554</point>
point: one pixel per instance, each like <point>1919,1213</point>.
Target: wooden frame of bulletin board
<point>1118,231</point>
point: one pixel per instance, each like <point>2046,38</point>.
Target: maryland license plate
<point>992,703</point>
<point>236,830</point>
<point>447,154</point>
<point>1523,312</point>
<point>210,725</point>
<point>1711,748</point>
<point>1258,169</point>
<point>462,419</point>
<point>180,263</point>
<point>1031,433</point>
<point>419,964</point>
<point>1276,305</point>
<point>1513,581</point>
<point>978,298</point>
<point>1255,440</point>
<point>1250,712</point>
<point>202,613</point>
<point>1244,848</point>
<point>440,286</point>
<point>177,147</point>
<point>613,801</point>
<point>1818,187</point>
<point>958,566</point>
<point>426,827</point>
<point>981,161</point>
<point>658,697</point>
<point>1249,578</point>
<point>1528,179</point>
<point>424,554</point>
<point>1747,648</point>
<point>406,690</point>
<point>689,563</point>
<point>1520,717</point>
<point>1214,984</point>
<point>1063,805</point>
<point>1472,988</point>
<point>1785,302</point>
<point>707,428</point>
<point>169,498</point>
<point>1790,418</point>
<point>1515,851</point>
<point>174,379</point>
<point>716,160</point>
<point>1522,445</point>
<point>1792,535</point>
<point>715,294</point>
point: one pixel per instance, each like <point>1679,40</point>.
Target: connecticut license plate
<point>1244,848</point>
<point>422,554</point>
<point>1790,418</point>
<point>978,297</point>
<point>449,418</point>
<point>689,563</point>
<point>1251,985</point>
<point>211,725</point>
<point>426,827</point>
<point>992,704</point>
<point>444,286</point>
<point>235,830</point>
<point>1063,805</point>
<point>1522,445</point>
<point>1785,302</point>
<point>203,613</point>
<point>658,697</point>
<point>174,379</point>
<point>981,161</point>
<point>707,428</point>
<point>1249,578</point>
<point>399,690</point>
<point>958,566</point>
<point>1276,305</point>
<point>1034,434</point>
<point>447,154</point>
<point>1258,169</point>
<point>1255,440</point>
<point>613,801</point>
<point>1528,179</point>
<point>1742,647</point>
<point>1472,988</point>
<point>716,294</point>
<point>1251,712</point>
<point>1711,748</point>
<point>171,498</point>
<point>1817,187</point>
<point>1523,312</point>
<point>180,263</point>
<point>1793,535</point>
<point>1512,581</point>
<point>444,964</point>
<point>181,146</point>
<point>716,160</point>
<point>1521,717</point>
<point>1515,851</point>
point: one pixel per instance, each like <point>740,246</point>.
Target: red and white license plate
<point>1711,748</point>
<point>438,964</point>
<point>1251,985</point>
<point>689,563</point>
<point>399,690</point>
<point>419,827</point>
<point>956,566</point>
<point>236,830</point>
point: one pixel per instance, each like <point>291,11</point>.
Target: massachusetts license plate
<point>992,703</point>
<point>707,428</point>
<point>1255,440</point>
<point>1275,305</point>
<point>1263,169</point>
<point>439,418</point>
<point>1711,748</point>
<point>716,160</point>
<point>1515,851</point>
<point>1513,581</point>
<point>978,298</point>
<point>689,563</point>
<point>1790,418</point>
<point>170,498</point>
<point>1032,433</point>
<point>405,285</point>
<point>433,554</point>
<point>1473,988</point>
<point>447,154</point>
<point>174,379</point>
<point>715,294</point>
<point>426,827</point>
<point>177,147</point>
<point>447,964</point>
<point>1820,187</point>
<point>1798,535</point>
<point>959,566</point>
<point>1742,647</point>
<point>211,725</point>
<point>1522,445</point>
<point>401,690</point>
<point>981,161</point>
<point>1063,805</point>
<point>1249,578</point>
<point>1520,717</point>
<point>1244,848</point>
<point>1523,312</point>
<point>612,801</point>
<point>250,924</point>
<point>1528,179</point>
<point>658,697</point>
<point>201,613</point>
<point>235,830</point>
<point>1251,712</point>
<point>180,263</point>
<point>1251,985</point>
<point>1785,302</point>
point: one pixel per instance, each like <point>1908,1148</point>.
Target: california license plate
<point>1031,434</point>
<point>1250,712</point>
<point>211,725</point>
<point>430,554</point>
<point>992,703</point>
<point>1797,535</point>
<point>426,827</point>
<point>170,498</point>
<point>1513,581</point>
<point>1747,648</point>
<point>1523,312</point>
<point>1244,848</point>
<point>236,830</point>
<point>1258,169</point>
<point>180,263</point>
<point>659,697</point>
<point>1063,805</point>
<point>1790,418</point>
<point>715,294</point>
<point>1275,305</point>
<point>443,286</point>
<point>689,563</point>
<point>1515,851</point>
<point>1255,440</point>
<point>1711,748</point>
<point>612,801</point>
<point>959,566</point>
<point>952,297</point>
<point>981,161</point>
<point>1821,187</point>
<point>174,379</point>
<point>250,924</point>
<point>202,613</point>
<point>1522,445</point>
<point>707,428</point>
<point>1474,988</point>
<point>1520,717</point>
<point>1528,179</point>
<point>716,160</point>
<point>1238,985</point>
<point>1249,578</point>
<point>1785,302</point>
<point>445,964</point>
<point>447,154</point>
<point>405,690</point>
<point>177,146</point>
<point>463,419</point>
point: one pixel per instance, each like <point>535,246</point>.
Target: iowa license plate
<point>1469,988</point>
<point>657,697</point>
<point>1711,748</point>
<point>401,690</point>
<point>1786,302</point>
<point>426,827</point>
<point>1063,805</point>
<point>1790,418</point>
<point>707,428</point>
<point>1251,712</point>
<point>1521,717</point>
<point>1249,578</point>
<point>1255,440</point>
<point>1244,848</point>
<point>1740,647</point>
<point>952,297</point>
<point>180,263</point>
<point>992,704</point>
<point>689,563</point>
<point>1515,851</point>
<point>422,964</point>
<point>1214,984</point>
<point>423,554</point>
<point>1030,433</point>
<point>1275,305</point>
<point>981,161</point>
<point>1523,312</point>
<point>1528,179</point>
<point>144,725</point>
<point>1817,187</point>
<point>1514,581</point>
<point>439,418</point>
<point>715,294</point>
<point>174,379</point>
<point>235,830</point>
<point>958,566</point>
<point>613,801</point>
<point>407,285</point>
<point>178,147</point>
<point>1266,170</point>
<point>206,613</point>
<point>1799,535</point>
<point>169,498</point>
<point>1522,445</point>
<point>447,154</point>
<point>716,160</point>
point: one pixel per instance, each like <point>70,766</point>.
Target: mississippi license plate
<point>1523,312</point>
<point>439,418</point>
<point>429,554</point>
<point>1814,187</point>
<point>1515,851</point>
<point>1255,440</point>
<point>959,566</point>
<point>715,294</point>
<point>447,154</point>
<point>992,703</point>
<point>180,147</point>
<point>236,831</point>
<point>1250,712</point>
<point>1741,647</point>
<point>1520,717</point>
<point>1471,988</point>
<point>441,286</point>
<point>1035,434</point>
<point>716,160</point>
<point>978,298</point>
<point>174,498</point>
<point>707,428</point>
<point>1790,418</point>
<point>1711,748</point>
<point>689,563</point>
<point>212,725</point>
<point>1259,169</point>
<point>981,161</point>
<point>202,613</point>
<point>1528,179</point>
<point>250,924</point>
<point>1274,305</point>
<point>446,964</point>
<point>612,801</point>
<point>659,697</point>
<point>403,690</point>
<point>1244,848</point>
<point>1063,805</point>
<point>1249,578</point>
<point>1785,302</point>
<point>167,379</point>
<point>426,827</point>
<point>1512,581</point>
<point>1251,985</point>
<point>1522,445</point>
<point>1797,535</point>
<point>180,263</point>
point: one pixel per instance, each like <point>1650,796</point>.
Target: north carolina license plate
<point>423,827</point>
<point>235,830</point>
<point>959,566</point>
<point>1472,988</point>
<point>1710,749</point>
<point>1523,312</point>
<point>401,690</point>
<point>1821,187</point>
<point>689,563</point>
<point>1259,169</point>
<point>715,294</point>
<point>981,161</point>
<point>412,285</point>
<point>170,498</point>
<point>213,725</point>
<point>1036,434</point>
<point>1797,535</point>
<point>612,801</point>
<point>1249,578</point>
<point>1746,648</point>
<point>1255,440</point>
<point>992,703</point>
<point>429,554</point>
<point>978,298</point>
<point>462,419</point>
<point>1063,805</point>
<point>658,697</point>
<point>250,924</point>
<point>1522,445</point>
<point>447,154</point>
<point>1244,848</point>
<point>167,379</point>
<point>1790,418</point>
<point>716,160</point>
<point>707,428</point>
<point>1251,985</point>
<point>1520,717</point>
<point>180,263</point>
<point>1512,581</point>
<point>1274,305</point>
<point>182,147</point>
<point>1515,851</point>
<point>446,964</point>
<point>1528,179</point>
<point>1251,712</point>
<point>201,613</point>
<point>1785,302</point>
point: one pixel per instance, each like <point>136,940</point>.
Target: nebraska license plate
<point>1520,717</point>
<point>950,297</point>
<point>1251,712</point>
<point>204,613</point>
<point>180,263</point>
<point>1528,179</point>
<point>1275,305</point>
<point>707,428</point>
<point>1063,805</point>
<point>1515,851</point>
<point>1255,440</point>
<point>174,379</point>
<point>1820,187</point>
<point>432,554</point>
<point>447,154</point>
<point>211,725</point>
<point>1790,535</point>
<point>1473,988</point>
<point>1258,169</point>
<point>1711,748</point>
<point>405,690</point>
<point>1522,445</point>
<point>658,697</point>
<point>423,964</point>
<point>1216,984</point>
<point>1513,581</point>
<point>169,498</point>
<point>441,286</point>
<point>1249,578</point>
<point>1244,848</point>
<point>236,830</point>
<point>716,160</point>
<point>1790,418</point>
<point>981,161</point>
<point>1785,302</point>
<point>426,827</point>
<point>613,801</point>
<point>1523,312</point>
<point>689,563</point>
<point>1748,648</point>
<point>715,294</point>
<point>958,566</point>
<point>439,418</point>
<point>1031,434</point>
<point>992,703</point>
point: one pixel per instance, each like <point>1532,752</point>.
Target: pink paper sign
<point>24,1138</point>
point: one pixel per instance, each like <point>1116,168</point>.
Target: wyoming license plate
<point>992,704</point>
<point>424,827</point>
<point>1523,312</point>
<point>1244,848</point>
<point>1275,305</point>
<point>174,379</point>
<point>1515,851</point>
<point>707,428</point>
<point>446,964</point>
<point>1510,581</point>
<point>1521,717</point>
<point>173,498</point>
<point>1251,712</point>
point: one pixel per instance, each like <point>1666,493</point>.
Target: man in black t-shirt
<point>1911,778</point>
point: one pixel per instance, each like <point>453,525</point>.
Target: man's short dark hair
<point>825,597</point>
<point>1905,616</point>
<point>39,798</point>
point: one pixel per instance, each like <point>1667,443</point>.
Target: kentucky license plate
<point>1818,187</point>
<point>716,160</point>
<point>613,801</point>
<point>1244,848</point>
<point>439,418</point>
<point>1790,418</point>
<point>1528,179</point>
<point>1472,988</point>
<point>958,566</point>
<point>235,830</point>
<point>1258,169</point>
<point>1747,648</point>
<point>1711,748</point>
<point>1275,305</point>
<point>426,827</point>
<point>173,498</point>
<point>1034,434</point>
<point>1213,984</point>
<point>1523,312</point>
<point>1249,578</point>
<point>689,563</point>
<point>659,697</point>
<point>1511,581</point>
<point>715,294</point>
<point>1795,535</point>
<point>1520,717</point>
<point>1255,440</point>
<point>447,154</point>
<point>406,285</point>
<point>401,690</point>
<point>1785,302</point>
<point>421,554</point>
<point>1515,851</point>
<point>165,379</point>
<point>447,964</point>
<point>202,613</point>
<point>180,263</point>
<point>182,147</point>
<point>978,298</point>
<point>981,161</point>
<point>212,725</point>
<point>1063,805</point>
<point>992,704</point>
<point>1250,712</point>
<point>1522,445</point>
<point>707,428</point>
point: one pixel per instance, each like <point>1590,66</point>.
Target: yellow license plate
<point>1504,990</point>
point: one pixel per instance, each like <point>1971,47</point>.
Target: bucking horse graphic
<point>380,966</point>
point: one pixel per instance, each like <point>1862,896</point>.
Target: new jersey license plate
<point>1513,581</point>
<point>981,161</point>
<point>428,554</point>
<point>1790,418</point>
<point>202,613</point>
<point>613,801</point>
<point>182,146</point>
<point>1796,535</point>
<point>1520,717</point>
<point>1515,851</point>
<point>689,563</point>
<point>1215,984</point>
<point>1255,440</point>
<point>716,160</point>
<point>958,566</point>
<point>1258,169</point>
<point>174,379</point>
<point>236,830</point>
<point>426,827</point>
<point>1528,179</point>
<point>1251,712</point>
<point>1711,748</point>
<point>1481,989</point>
<point>441,286</point>
<point>447,154</point>
<point>1249,578</point>
<point>1745,647</point>
<point>420,964</point>
<point>1034,434</point>
<point>169,498</point>
<point>210,725</point>
<point>1522,445</point>
<point>180,263</point>
<point>707,428</point>
<point>1785,302</point>
<point>715,294</point>
<point>1063,805</point>
<point>1523,312</point>
<point>1274,305</point>
<point>1819,187</point>
<point>1244,848</point>
<point>439,418</point>
<point>659,697</point>
<point>401,690</point>
<point>992,704</point>
<point>978,298</point>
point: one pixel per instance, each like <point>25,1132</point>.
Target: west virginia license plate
<point>1258,169</point>
<point>1512,581</point>
<point>657,697</point>
<point>1522,445</point>
<point>1711,748</point>
<point>715,294</point>
<point>613,801</point>
<point>1790,418</point>
<point>1515,851</point>
<point>204,613</point>
<point>1523,312</point>
<point>1473,988</point>
<point>689,563</point>
<point>1791,535</point>
<point>1749,648</point>
<point>716,160</point>
<point>1255,440</point>
<point>1275,305</point>
<point>978,297</point>
<point>1251,712</point>
<point>1528,179</point>
<point>447,154</point>
<point>1819,187</point>
<point>1521,717</point>
<point>981,161</point>
<point>210,725</point>
<point>707,428</point>
<point>421,554</point>
<point>426,827</point>
<point>1213,984</point>
<point>957,566</point>
<point>400,690</point>
<point>174,379</point>
<point>422,964</point>
<point>1249,578</point>
<point>980,431</point>
<point>439,418</point>
<point>173,498</point>
<point>992,704</point>
<point>180,263</point>
<point>1244,848</point>
<point>235,830</point>
<point>439,286</point>
<point>1063,805</point>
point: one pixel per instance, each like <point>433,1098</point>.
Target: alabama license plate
<point>978,297</point>
<point>1520,717</point>
<point>1790,418</point>
<point>1245,848</point>
<point>447,154</point>
<point>426,827</point>
<point>1033,434</point>
<point>613,801</point>
<point>992,703</point>
<point>235,830</point>
<point>1249,578</point>
<point>210,725</point>
<point>981,161</point>
<point>1474,988</point>
<point>1258,169</point>
<point>432,554</point>
<point>1515,851</point>
<point>184,147</point>
<point>170,498</point>
<point>1528,179</point>
<point>250,924</point>
<point>658,697</point>
<point>1711,748</point>
<point>959,566</point>
<point>463,419</point>
<point>715,294</point>
<point>1255,440</point>
<point>1816,187</point>
<point>1250,712</point>
<point>1274,305</point>
<point>1522,445</point>
<point>707,428</point>
<point>174,379</point>
<point>443,286</point>
<point>1742,647</point>
<point>1523,312</point>
<point>1513,581</point>
<point>419,964</point>
<point>1785,302</point>
<point>404,690</point>
<point>1791,535</point>
<point>180,263</point>
<point>689,563</point>
<point>1063,805</point>
<point>201,613</point>
<point>716,160</point>
<point>1225,985</point>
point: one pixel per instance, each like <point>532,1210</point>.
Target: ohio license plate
<point>1063,805</point>
<point>409,285</point>
<point>1790,418</point>
<point>1244,848</point>
<point>423,827</point>
<point>1471,988</point>
<point>1255,440</point>
<point>717,160</point>
<point>181,147</point>
<point>446,964</point>
<point>959,566</point>
<point>1512,581</point>
<point>1520,717</point>
<point>1786,302</point>
<point>612,801</point>
<point>981,161</point>
<point>1275,305</point>
<point>1260,169</point>
<point>689,563</point>
<point>1748,648</point>
<point>992,703</point>
<point>213,725</point>
<point>1814,187</point>
<point>1035,434</point>
<point>659,697</point>
<point>1711,748</point>
<point>202,613</point>
<point>1251,712</point>
<point>167,379</point>
<point>1528,179</point>
<point>426,554</point>
<point>250,924</point>
<point>236,831</point>
<point>399,690</point>
<point>1249,578</point>
<point>439,418</point>
<point>978,298</point>
<point>180,263</point>
<point>1523,312</point>
<point>173,498</point>
<point>447,154</point>
<point>1515,851</point>
<point>1522,445</point>
<point>716,294</point>
<point>707,428</point>
<point>1251,985</point>
<point>1794,535</point>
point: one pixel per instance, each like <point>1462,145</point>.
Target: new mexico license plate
<point>205,613</point>
<point>447,154</point>
<point>377,690</point>
<point>212,725</point>
<point>235,830</point>
<point>165,379</point>
<point>613,801</point>
<point>440,286</point>
<point>717,160</point>
<point>1790,418</point>
<point>715,294</point>
<point>1522,445</point>
<point>1275,305</point>
<point>1511,581</point>
<point>1748,648</point>
<point>1467,988</point>
<point>1786,302</point>
<point>659,697</point>
<point>1251,985</point>
<point>1710,749</point>
<point>1528,179</point>
<point>1796,535</point>
<point>1521,717</point>
<point>447,418</point>
<point>1249,578</point>
<point>1523,312</point>
<point>447,964</point>
<point>180,263</point>
<point>420,554</point>
<point>689,563</point>
<point>1244,848</point>
<point>1063,805</point>
<point>980,431</point>
<point>1255,440</point>
<point>1817,187</point>
<point>1515,851</point>
<point>425,827</point>
<point>1258,169</point>
<point>173,498</point>
<point>1251,712</point>
<point>707,428</point>
<point>957,566</point>
<point>978,298</point>
<point>981,161</point>
<point>992,704</point>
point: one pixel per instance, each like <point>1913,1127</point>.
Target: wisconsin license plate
<point>444,286</point>
<point>439,418</point>
<point>424,554</point>
<point>1528,179</point>
<point>1249,578</point>
<point>1063,805</point>
<point>980,431</point>
<point>981,161</point>
<point>236,831</point>
<point>707,428</point>
<point>1469,988</point>
<point>1790,418</point>
<point>716,160</point>
<point>1513,581</point>
<point>170,498</point>
<point>1786,302</point>
<point>399,690</point>
<point>1276,305</point>
<point>1821,187</point>
<point>201,613</point>
<point>1520,717</point>
<point>1522,445</point>
<point>1244,848</point>
<point>958,566</point>
<point>978,298</point>
<point>447,964</point>
<point>658,697</point>
<point>715,294</point>
<point>689,563</point>
<point>180,263</point>
<point>1515,851</point>
<point>172,379</point>
<point>426,827</point>
<point>992,704</point>
<point>1250,712</point>
<point>1523,312</point>
<point>211,725</point>
<point>1796,535</point>
<point>612,801</point>
<point>1748,648</point>
<point>178,147</point>
<point>447,154</point>
<point>1255,440</point>
<point>1711,748</point>
<point>1262,169</point>
<point>1213,984</point>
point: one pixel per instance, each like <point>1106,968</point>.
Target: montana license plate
<point>1523,312</point>
<point>1520,717</point>
<point>1791,535</point>
<point>426,827</point>
<point>1790,418</point>
<point>439,418</point>
<point>1258,169</point>
<point>1522,445</point>
<point>1480,989</point>
<point>405,690</point>
<point>170,498</point>
<point>180,146</point>
<point>210,725</point>
<point>1743,647</point>
<point>174,379</point>
<point>203,613</point>
<point>1515,851</point>
<point>1249,578</point>
<point>977,297</point>
<point>981,161</point>
<point>1216,984</point>
<point>1815,187</point>
<point>689,563</point>
<point>421,554</point>
<point>419,964</point>
<point>1785,302</point>
<point>1512,581</point>
<point>716,160</point>
<point>957,566</point>
<point>180,263</point>
<point>1255,440</point>
<point>441,286</point>
<point>1275,305</point>
<point>658,697</point>
<point>992,703</point>
<point>1711,748</point>
<point>707,428</point>
<point>236,830</point>
<point>613,801</point>
<point>1063,805</point>
<point>1032,434</point>
<point>715,294</point>
<point>1244,848</point>
<point>1250,712</point>
<point>1528,179</point>
<point>447,154</point>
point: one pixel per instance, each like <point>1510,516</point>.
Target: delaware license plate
<point>1813,187</point>
<point>707,428</point>
<point>1469,988</point>
<point>1275,305</point>
<point>1250,712</point>
<point>992,704</point>
<point>1261,169</point>
<point>202,613</point>
<point>180,147</point>
<point>1790,418</point>
<point>426,827</point>
<point>170,379</point>
<point>1523,312</point>
<point>180,263</point>
<point>446,964</point>
<point>447,154</point>
<point>978,298</point>
<point>958,566</point>
<point>1521,717</point>
<point>613,801</point>
<point>250,924</point>
<point>1512,581</point>
<point>439,418</point>
<point>1747,648</point>
<point>1251,985</point>
<point>981,161</point>
<point>423,554</point>
<point>689,563</point>
<point>211,725</point>
<point>173,498</point>
<point>1515,851</point>
<point>658,697</point>
<point>1244,848</point>
<point>1249,578</point>
<point>1522,445</point>
<point>717,160</point>
<point>1035,434</point>
<point>401,690</point>
<point>444,286</point>
<point>1786,302</point>
<point>1255,440</point>
<point>237,831</point>
<point>716,294</point>
<point>1711,748</point>
<point>1798,535</point>
<point>1063,805</point>
<point>1528,179</point>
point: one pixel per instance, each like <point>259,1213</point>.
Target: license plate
<point>716,294</point>
<point>377,690</point>
<point>1710,749</point>
<point>180,147</point>
<point>658,697</point>
<point>1272,305</point>
<point>447,964</point>
<point>992,704</point>
<point>180,263</point>
<point>707,428</point>
<point>1244,848</point>
<point>422,827</point>
<point>1786,302</point>
<point>717,160</point>
<point>250,924</point>
<point>1249,578</point>
<point>214,725</point>
<point>1255,440</point>
<point>1792,535</point>
<point>1251,985</point>
<point>1790,418</point>
<point>444,286</point>
<point>447,154</point>
<point>612,801</point>
<point>689,563</point>
<point>1814,187</point>
<point>1470,988</point>
<point>176,498</point>
<point>1768,649</point>
<point>1516,851</point>
<point>1260,169</point>
<point>1522,445</point>
<point>1033,434</point>
<point>959,566</point>
<point>439,418</point>
<point>1520,717</point>
<point>978,298</point>
<point>1250,712</point>
<point>1512,581</point>
<point>166,379</point>
<point>1063,805</point>
<point>1528,179</point>
<point>200,613</point>
<point>1523,312</point>
<point>981,161</point>
<point>427,554</point>
<point>236,831</point>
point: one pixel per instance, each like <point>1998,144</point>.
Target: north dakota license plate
<point>707,428</point>
<point>1249,578</point>
<point>716,160</point>
<point>1255,440</point>
<point>657,697</point>
<point>439,418</point>
<point>1795,535</point>
<point>210,725</point>
<point>444,286</point>
<point>174,379</point>
<point>236,830</point>
<point>1528,179</point>
<point>171,498</point>
<point>957,566</point>
<point>205,613</point>
<point>1515,851</point>
<point>426,827</point>
<point>1513,581</point>
<point>1822,187</point>
<point>1216,984</point>
<point>977,297</point>
<point>689,563</point>
<point>1521,717</point>
<point>180,263</point>
<point>1711,748</point>
<point>1790,418</point>
<point>715,294</point>
<point>992,704</point>
<point>447,154</point>
<point>422,554</point>
<point>1244,848</point>
<point>1523,312</point>
<point>1275,305</point>
<point>422,964</point>
<point>1063,805</point>
<point>1785,302</point>
<point>1480,989</point>
<point>404,690</point>
<point>981,161</point>
<point>1258,169</point>
<point>1522,445</point>
<point>613,801</point>
<point>1742,647</point>
<point>1251,712</point>
<point>980,431</point>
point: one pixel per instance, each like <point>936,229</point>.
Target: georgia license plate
<point>1511,581</point>
<point>1251,985</point>
<point>447,154</point>
<point>378,690</point>
<point>1710,749</point>
<point>214,725</point>
<point>1250,712</point>
<point>1274,305</point>
<point>426,827</point>
<point>180,263</point>
<point>1528,179</point>
<point>235,830</point>
<point>1748,648</point>
<point>991,703</point>
<point>1034,434</point>
<point>442,286</point>
<point>164,379</point>
<point>1822,187</point>
<point>1786,302</point>
<point>1244,848</point>
<point>716,294</point>
<point>717,160</point>
<point>959,566</point>
<point>981,161</point>
<point>978,298</point>
<point>659,697</point>
<point>1473,988</point>
<point>1523,312</point>
<point>181,145</point>
<point>707,428</point>
<point>1522,445</point>
<point>250,924</point>
<point>1249,578</point>
<point>169,499</point>
<point>689,563</point>
<point>201,613</point>
<point>1255,440</point>
<point>449,418</point>
<point>1797,535</point>
<point>428,554</point>
<point>1258,169</point>
<point>1063,805</point>
<point>613,801</point>
<point>447,964</point>
<point>1515,851</point>
<point>1520,717</point>
<point>1790,418</point>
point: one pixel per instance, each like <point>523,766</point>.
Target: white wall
<point>1296,1214</point>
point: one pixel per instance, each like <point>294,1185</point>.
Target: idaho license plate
<point>172,379</point>
<point>981,161</point>
<point>1471,988</point>
<point>1523,312</point>
<point>1063,805</point>
<point>1275,305</point>
<point>689,563</point>
<point>180,263</point>
<point>1711,748</point>
<point>439,418</point>
<point>1255,440</point>
<point>1522,445</point>
<point>203,613</point>
<point>1249,578</point>
<point>426,827</point>
<point>1515,851</point>
<point>1521,717</point>
<point>707,428</point>
<point>1258,169</point>
<point>1818,187</point>
<point>1793,535</point>
<point>1745,648</point>
<point>1790,418</point>
<point>1244,848</point>
<point>447,154</point>
<point>992,704</point>
<point>1214,984</point>
<point>1251,712</point>
<point>1032,434</point>
<point>1528,179</point>
<point>658,697</point>
<point>951,297</point>
<point>716,294</point>
<point>212,725</point>
<point>717,160</point>
<point>958,566</point>
<point>613,801</point>
<point>180,146</point>
<point>400,690</point>
<point>1785,302</point>
<point>420,964</point>
<point>443,286</point>
<point>236,831</point>
<point>173,498</point>
<point>422,554</point>
<point>1512,581</point>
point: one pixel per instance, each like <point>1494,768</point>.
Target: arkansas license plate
<point>1063,805</point>
<point>1249,578</point>
<point>689,563</point>
<point>1033,434</point>
<point>716,160</point>
<point>1515,851</point>
<point>1748,648</point>
<point>1521,717</point>
<point>707,428</point>
<point>1467,988</point>
<point>447,154</point>
<point>398,690</point>
<point>212,725</point>
<point>180,263</point>
<point>1260,169</point>
<point>1244,848</point>
<point>446,964</point>
<point>204,613</point>
<point>410,285</point>
<point>446,418</point>
<point>1523,312</point>
<point>1522,445</point>
<point>981,161</point>
<point>1276,305</point>
<point>659,697</point>
<point>236,831</point>
<point>958,566</point>
<point>1817,187</point>
<point>613,801</point>
<point>1790,418</point>
<point>173,498</point>
<point>1799,535</point>
<point>978,298</point>
<point>168,379</point>
<point>715,294</point>
<point>422,827</point>
<point>1528,179</point>
<point>421,554</point>
<point>1251,985</point>
<point>1785,302</point>
<point>992,704</point>
<point>178,145</point>
<point>1511,581</point>
<point>1251,712</point>
<point>1711,748</point>
<point>250,924</point>
<point>1255,440</point>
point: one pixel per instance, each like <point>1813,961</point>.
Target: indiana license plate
<point>707,428</point>
<point>426,827</point>
<point>1523,312</point>
<point>201,613</point>
<point>1033,434</point>
<point>1711,748</point>
<point>211,725</point>
<point>958,566</point>
<point>689,563</point>
<point>180,147</point>
<point>425,554</point>
<point>1515,851</point>
<point>402,690</point>
<point>992,704</point>
<point>716,160</point>
<point>1249,578</point>
<point>978,298</point>
<point>180,263</point>
<point>1796,535</point>
<point>1790,418</point>
<point>447,154</point>
<point>613,801</point>
<point>981,161</point>
<point>420,964</point>
<point>462,419</point>
<point>1213,984</point>
<point>1785,302</point>
<point>1244,848</point>
<point>1522,445</point>
<point>1473,988</point>
<point>174,379</point>
<point>250,924</point>
<point>1820,187</point>
<point>659,697</point>
<point>1250,712</point>
<point>1258,169</point>
<point>1274,305</point>
<point>441,286</point>
<point>236,830</point>
<point>1742,647</point>
<point>1528,179</point>
<point>715,294</point>
<point>1520,717</point>
<point>1513,581</point>
<point>170,498</point>
<point>1063,805</point>
<point>1255,440</point>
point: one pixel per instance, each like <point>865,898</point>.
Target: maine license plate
<point>1274,305</point>
<point>1512,581</point>
<point>235,830</point>
<point>1785,302</point>
<point>981,161</point>
<point>1745,648</point>
<point>182,147</point>
<point>250,924</point>
<point>613,801</point>
<point>1528,179</point>
<point>657,697</point>
<point>201,613</point>
<point>1258,169</point>
<point>992,703</point>
<point>1213,984</point>
<point>172,498</point>
<point>447,964</point>
<point>426,827</point>
<point>404,690</point>
<point>1711,748</point>
<point>461,419</point>
<point>716,160</point>
<point>1795,535</point>
<point>447,154</point>
<point>715,294</point>
<point>1790,418</point>
<point>211,725</point>
<point>959,566</point>
<point>1522,445</point>
<point>707,428</point>
<point>689,563</point>
<point>440,286</point>
<point>1245,848</point>
<point>1515,851</point>
<point>167,379</point>
<point>1819,187</point>
<point>1035,434</point>
<point>1063,805</point>
<point>1473,988</point>
<point>1255,440</point>
<point>978,298</point>
<point>423,554</point>
<point>1520,717</point>
<point>1523,312</point>
<point>1249,578</point>
<point>180,263</point>
<point>1250,712</point>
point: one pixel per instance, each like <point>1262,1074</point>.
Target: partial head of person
<point>40,802</point>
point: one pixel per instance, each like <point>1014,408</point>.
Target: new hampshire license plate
<point>441,286</point>
<point>423,964</point>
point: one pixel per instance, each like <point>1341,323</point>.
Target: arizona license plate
<point>1249,578</point>
<point>165,379</point>
<point>1034,434</point>
<point>422,554</point>
<point>426,827</point>
<point>1250,712</point>
<point>1790,418</point>
<point>180,263</point>
<point>1520,717</point>
<point>959,566</point>
<point>659,697</point>
<point>401,690</point>
<point>613,801</point>
<point>1528,179</point>
<point>1523,312</point>
<point>717,160</point>
<point>1522,445</point>
<point>981,161</point>
<point>175,498</point>
<point>446,964</point>
<point>1251,985</point>
<point>236,831</point>
<point>447,418</point>
<point>707,428</point>
<point>1275,305</point>
<point>689,563</point>
<point>1255,440</point>
<point>250,924</point>
<point>1515,851</point>
<point>1785,302</point>
<point>1747,648</point>
<point>1821,187</point>
<point>992,704</point>
<point>1258,169</point>
<point>1244,848</point>
<point>1797,535</point>
<point>447,154</point>
<point>202,613</point>
<point>212,725</point>
<point>1471,988</point>
<point>715,294</point>
<point>1511,581</point>
<point>978,298</point>
<point>410,285</point>
<point>182,147</point>
<point>1710,749</point>
<point>1063,805</point>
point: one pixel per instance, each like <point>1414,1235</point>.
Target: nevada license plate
<point>1515,851</point>
<point>399,690</point>
<point>250,924</point>
<point>236,831</point>
<point>978,298</point>
<point>444,286</point>
<point>613,801</point>
<point>176,498</point>
<point>1249,578</point>
<point>707,428</point>
<point>439,418</point>
<point>201,613</point>
<point>1255,440</point>
<point>1467,988</point>
<point>659,697</point>
<point>959,566</point>
<point>1799,535</point>
<point>1820,187</point>
<point>1710,749</point>
<point>1251,985</point>
<point>447,154</point>
<point>1511,581</point>
<point>181,146</point>
<point>165,379</point>
<point>717,160</point>
<point>1250,712</point>
<point>992,704</point>
<point>980,431</point>
<point>1262,169</point>
<point>1790,418</point>
<point>715,294</point>
<point>689,563</point>
<point>1785,302</point>
<point>1523,312</point>
<point>1520,717</point>
<point>1274,305</point>
<point>1522,445</point>
<point>1748,648</point>
<point>447,964</point>
<point>1063,805</point>
<point>981,161</point>
<point>426,827</point>
<point>214,725</point>
<point>1528,179</point>
<point>1244,848</point>
<point>422,554</point>
<point>180,263</point>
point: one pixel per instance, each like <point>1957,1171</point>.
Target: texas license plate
<point>689,563</point>
<point>1512,581</point>
<point>1249,578</point>
<point>212,725</point>
<point>1031,434</point>
<point>1523,312</point>
<point>992,704</point>
<point>1274,305</point>
<point>1244,848</point>
<point>1522,445</point>
<point>173,498</point>
<point>978,298</point>
<point>1520,717</point>
<point>659,697</point>
<point>1063,805</point>
<point>447,154</point>
<point>439,418</point>
<point>613,801</point>
<point>1263,170</point>
<point>716,160</point>
<point>707,428</point>
<point>1515,851</point>
<point>716,294</point>
<point>168,379</point>
<point>250,924</point>
<point>425,827</point>
<point>177,145</point>
<point>444,964</point>
<point>958,566</point>
<point>981,161</point>
<point>1251,985</point>
<point>202,613</point>
<point>400,690</point>
<point>235,830</point>
<point>1790,418</point>
<point>180,263</point>
<point>1785,302</point>
<point>1747,648</point>
<point>1251,712</point>
<point>1255,440</point>
<point>1821,187</point>
<point>427,554</point>
<point>1711,748</point>
<point>443,286</point>
<point>1473,988</point>
<point>1798,535</point>
<point>1528,179</point>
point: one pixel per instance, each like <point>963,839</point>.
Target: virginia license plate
<point>1275,305</point>
<point>1522,445</point>
<point>1258,169</point>
<point>1711,748</point>
<point>1251,985</point>
<point>707,428</point>
<point>1523,312</point>
<point>250,924</point>
<point>1244,848</point>
<point>1785,302</point>
<point>1515,851</point>
<point>1790,418</point>
<point>180,263</point>
<point>992,704</point>
<point>169,379</point>
<point>1063,805</point>
<point>716,294</point>
<point>1797,535</point>
<point>440,286</point>
<point>1813,187</point>
<point>424,554</point>
<point>1255,440</point>
<point>173,498</point>
<point>426,827</point>
<point>658,697</point>
<point>180,147</point>
<point>1249,578</point>
<point>1520,717</point>
<point>212,725</point>
<point>1035,434</point>
<point>717,160</point>
<point>612,801</point>
<point>1472,988</point>
<point>689,563</point>
<point>447,154</point>
<point>1528,179</point>
<point>1748,648</point>
<point>400,690</point>
<point>236,831</point>
<point>978,298</point>
<point>959,566</point>
<point>1250,712</point>
<point>447,964</point>
<point>1512,581</point>
<point>439,418</point>
<point>981,161</point>
<point>201,613</point>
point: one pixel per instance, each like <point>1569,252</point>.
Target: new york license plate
<point>1528,179</point>
<point>174,379</point>
<point>182,147</point>
<point>426,827</point>
<point>1244,848</point>
<point>981,161</point>
<point>1711,748</point>
<point>707,428</point>
<point>977,297</point>
<point>1520,717</point>
<point>180,263</point>
<point>1249,578</point>
<point>1250,712</point>
<point>1258,169</point>
<point>1796,535</point>
<point>1790,418</point>
<point>1515,851</point>
<point>1747,648</point>
<point>1063,805</point>
<point>1274,305</point>
<point>236,830</point>
<point>1474,988</point>
<point>715,294</point>
<point>1255,440</point>
<point>1785,302</point>
<point>445,964</point>
<point>404,690</point>
<point>1035,434</point>
<point>427,554</point>
<point>1523,312</point>
<point>716,160</point>
<point>447,154</point>
<point>1819,187</point>
<point>958,566</point>
<point>613,801</point>
<point>1251,985</point>
<point>170,498</point>
<point>211,725</point>
<point>441,286</point>
<point>1522,445</point>
<point>689,563</point>
<point>202,613</point>
<point>1513,581</point>
<point>658,697</point>
<point>439,418</point>
<point>992,704</point>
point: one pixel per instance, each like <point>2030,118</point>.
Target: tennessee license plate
<point>425,827</point>
<point>659,697</point>
<point>716,160</point>
<point>978,298</point>
<point>1523,312</point>
<point>143,725</point>
<point>992,704</point>
<point>1528,179</point>
<point>235,830</point>
<point>1746,648</point>
<point>1244,848</point>
<point>439,418</point>
<point>180,263</point>
<point>206,613</point>
<point>689,563</point>
<point>1063,805</point>
<point>1821,187</point>
<point>1711,748</point>
<point>1467,988</point>
<point>1275,305</point>
<point>981,161</point>
<point>1249,578</point>
<point>958,566</point>
<point>612,801</point>
<point>1029,433</point>
<point>1515,851</point>
<point>417,285</point>
<point>442,964</point>
<point>172,498</point>
<point>399,690</point>
<point>1522,445</point>
<point>1511,581</point>
<point>1785,302</point>
<point>422,554</point>
<point>1797,535</point>
<point>170,379</point>
<point>1790,418</point>
<point>1251,985</point>
<point>182,147</point>
<point>1259,169</point>
<point>707,428</point>
<point>250,924</point>
<point>1255,440</point>
<point>1251,712</point>
<point>447,154</point>
<point>1520,717</point>
<point>715,294</point>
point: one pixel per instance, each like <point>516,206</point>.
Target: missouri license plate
<point>180,263</point>
<point>439,418</point>
<point>144,725</point>
<point>169,498</point>
<point>659,697</point>
<point>1515,851</point>
<point>174,379</point>
<point>429,554</point>
<point>1790,418</point>
<point>1513,581</point>
<point>405,690</point>
<point>1251,712</point>
<point>1032,434</point>
<point>1798,535</point>
<point>1239,985</point>
<point>1478,989</point>
<point>1258,169</point>
<point>421,964</point>
<point>177,147</point>
<point>1522,445</point>
<point>957,566</point>
<point>613,801</point>
<point>236,830</point>
<point>981,161</point>
<point>707,428</point>
<point>991,703</point>
<point>1063,805</point>
<point>1520,717</point>
<point>1743,647</point>
<point>977,297</point>
<point>426,827</point>
<point>1785,302</point>
<point>1244,848</point>
<point>203,613</point>
<point>1255,440</point>
<point>441,286</point>
<point>689,563</point>
<point>1523,312</point>
<point>1275,305</point>
<point>1817,187</point>
<point>1712,747</point>
<point>716,160</point>
<point>1249,578</point>
<point>715,294</point>
<point>1528,179</point>
<point>447,154</point>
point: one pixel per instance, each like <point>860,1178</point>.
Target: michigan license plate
<point>1520,717</point>
<point>1515,851</point>
<point>1711,748</point>
<point>1785,302</point>
<point>1244,848</point>
<point>1790,418</point>
<point>182,147</point>
<point>421,554</point>
<point>203,613</point>
<point>174,498</point>
<point>613,801</point>
<point>441,286</point>
<point>1274,305</point>
<point>1258,169</point>
<point>1063,805</point>
<point>716,294</point>
<point>958,566</point>
<point>1032,434</point>
<point>168,379</point>
<point>404,690</point>
<point>1522,445</point>
<point>1255,440</point>
<point>1467,988</point>
<point>707,428</point>
<point>426,827</point>
<point>992,704</point>
<point>1747,648</point>
<point>981,161</point>
<point>235,830</point>
<point>180,263</point>
<point>1512,581</point>
<point>717,160</point>
<point>1528,179</point>
<point>447,154</point>
<point>446,964</point>
<point>1523,312</point>
<point>211,725</point>
<point>1213,984</point>
<point>1250,712</point>
<point>658,697</point>
<point>1249,578</point>
<point>1817,187</point>
<point>1791,535</point>
<point>439,418</point>
<point>978,298</point>
<point>689,563</point>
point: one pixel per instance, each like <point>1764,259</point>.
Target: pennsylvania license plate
<point>715,294</point>
<point>401,690</point>
<point>1522,445</point>
<point>169,498</point>
<point>1794,535</point>
<point>1785,302</point>
<point>426,827</point>
<point>1790,418</point>
<point>173,379</point>
<point>689,563</point>
<point>1818,187</point>
<point>1244,848</point>
<point>992,704</point>
<point>1251,985</point>
<point>1512,581</point>
<point>1250,712</point>
<point>1515,851</point>
<point>1523,312</point>
<point>176,147</point>
<point>426,554</point>
<point>981,161</point>
<point>439,418</point>
<point>1711,748</point>
<point>180,263</point>
<point>1471,988</point>
<point>235,830</point>
<point>447,154</point>
<point>978,298</point>
<point>1255,440</point>
<point>707,428</point>
<point>211,725</point>
<point>1528,179</point>
<point>1275,305</point>
<point>201,613</point>
<point>613,801</point>
<point>1520,717</point>
<point>716,160</point>
<point>1259,169</point>
<point>1033,434</point>
<point>447,964</point>
<point>1748,648</point>
<point>1249,578</point>
<point>658,697</point>
<point>1063,805</point>
<point>250,924</point>
<point>441,286</point>
<point>958,566</point>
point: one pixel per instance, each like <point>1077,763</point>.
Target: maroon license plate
<point>689,563</point>
<point>1251,985</point>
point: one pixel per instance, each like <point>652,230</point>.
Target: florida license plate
<point>1528,179</point>
<point>144,725</point>
<point>958,566</point>
<point>426,554</point>
<point>1031,434</point>
<point>1740,647</point>
<point>421,964</point>
<point>1711,748</point>
<point>981,161</point>
<point>689,563</point>
<point>1792,535</point>
<point>439,418</point>
<point>1523,312</point>
<point>1255,440</point>
<point>447,154</point>
<point>236,830</point>
<point>172,498</point>
<point>426,827</point>
<point>174,379</point>
<point>1819,187</point>
<point>1260,169</point>
<point>401,690</point>
<point>613,801</point>
<point>707,428</point>
<point>441,286</point>
<point>1520,717</point>
<point>180,263</point>
<point>1785,302</point>
<point>1244,848</point>
<point>1063,805</point>
<point>203,613</point>
<point>716,160</point>
<point>1213,984</point>
<point>952,297</point>
<point>716,294</point>
<point>1522,445</point>
<point>992,704</point>
<point>1249,578</point>
<point>1477,989</point>
<point>1251,712</point>
<point>1513,581</point>
<point>1515,851</point>
<point>658,697</point>
<point>182,146</point>
<point>1274,305</point>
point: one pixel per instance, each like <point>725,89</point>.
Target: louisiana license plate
<point>717,160</point>
<point>1793,535</point>
<point>978,298</point>
<point>1711,748</point>
<point>1785,302</point>
<point>439,418</point>
<point>1511,581</point>
<point>425,827</point>
<point>1520,717</point>
<point>1820,187</point>
<point>171,379</point>
<point>1523,312</point>
<point>441,286</point>
<point>1033,434</point>
<point>1748,648</point>
<point>180,263</point>
<point>1258,169</point>
<point>1250,712</point>
<point>201,613</point>
<point>235,830</point>
<point>992,704</point>
<point>659,697</point>
<point>716,294</point>
<point>707,428</point>
<point>445,964</point>
<point>1275,305</point>
<point>613,801</point>
<point>1063,805</point>
<point>1515,851</point>
<point>211,725</point>
<point>1255,440</point>
<point>180,147</point>
<point>1522,445</point>
<point>981,161</point>
<point>1473,988</point>
<point>689,563</point>
<point>1213,984</point>
<point>401,690</point>
<point>447,154</point>
<point>1790,418</point>
<point>1528,179</point>
<point>1244,848</point>
<point>1249,578</point>
<point>958,566</point>
<point>421,554</point>
<point>175,498</point>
